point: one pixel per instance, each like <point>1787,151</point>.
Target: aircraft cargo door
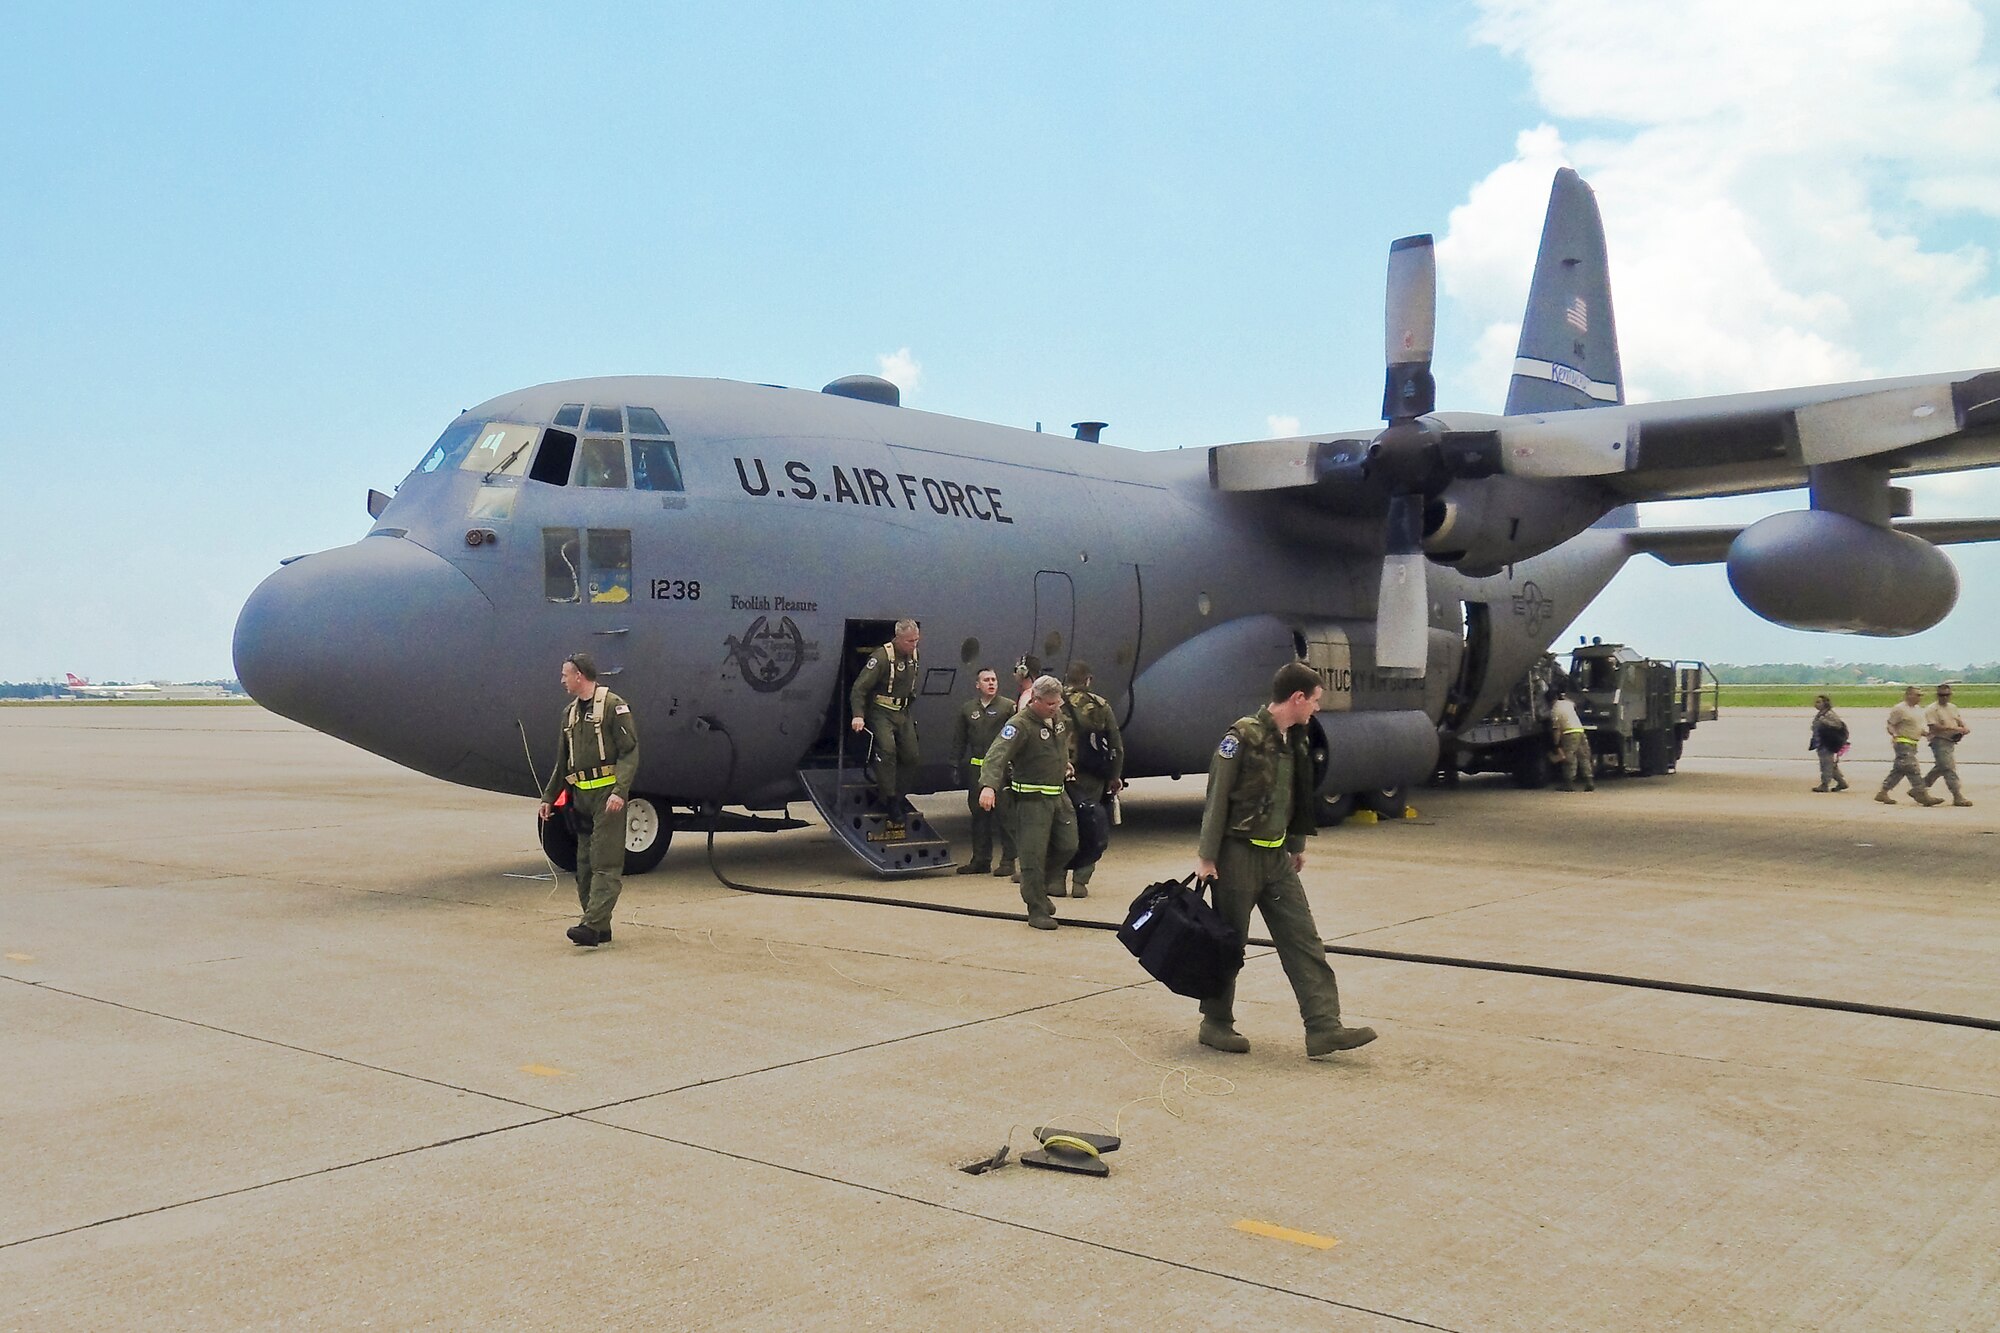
<point>1055,621</point>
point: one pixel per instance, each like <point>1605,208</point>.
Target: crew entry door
<point>1055,621</point>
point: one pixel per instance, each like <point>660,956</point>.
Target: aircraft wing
<point>1730,445</point>
<point>1709,545</point>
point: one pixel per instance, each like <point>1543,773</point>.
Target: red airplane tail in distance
<point>73,680</point>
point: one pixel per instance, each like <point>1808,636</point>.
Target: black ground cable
<point>1355,951</point>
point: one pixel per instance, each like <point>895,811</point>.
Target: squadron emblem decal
<point>769,657</point>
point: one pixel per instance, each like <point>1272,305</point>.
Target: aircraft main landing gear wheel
<point>647,835</point>
<point>1388,803</point>
<point>1330,810</point>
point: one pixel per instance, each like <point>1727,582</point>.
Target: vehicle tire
<point>647,834</point>
<point>1654,753</point>
<point>1531,763</point>
<point>558,843</point>
<point>1388,803</point>
<point>1330,810</point>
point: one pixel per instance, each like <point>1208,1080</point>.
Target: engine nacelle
<point>1482,526</point>
<point>1816,570</point>
<point>1377,729</point>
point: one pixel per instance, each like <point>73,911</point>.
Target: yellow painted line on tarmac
<point>20,958</point>
<point>1274,1232</point>
<point>545,1071</point>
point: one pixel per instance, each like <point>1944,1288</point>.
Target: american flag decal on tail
<point>1578,315</point>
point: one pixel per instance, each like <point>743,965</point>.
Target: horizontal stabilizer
<point>1710,545</point>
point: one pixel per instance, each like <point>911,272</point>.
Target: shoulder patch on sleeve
<point>1007,733</point>
<point>624,708</point>
<point>1228,747</point>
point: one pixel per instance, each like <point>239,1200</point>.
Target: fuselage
<point>717,547</point>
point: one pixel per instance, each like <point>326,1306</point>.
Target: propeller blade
<point>1410,327</point>
<point>1402,609</point>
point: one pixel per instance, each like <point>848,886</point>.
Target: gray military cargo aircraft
<point>730,551</point>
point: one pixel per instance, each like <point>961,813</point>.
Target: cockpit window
<point>502,450</point>
<point>457,438</point>
<point>569,414</point>
<point>645,421</point>
<point>656,466</point>
<point>608,419</point>
<point>602,463</point>
<point>553,459</point>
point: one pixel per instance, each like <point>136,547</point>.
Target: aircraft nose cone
<point>370,643</point>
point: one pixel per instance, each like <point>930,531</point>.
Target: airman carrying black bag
<point>1183,941</point>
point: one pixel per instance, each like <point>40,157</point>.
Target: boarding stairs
<point>893,840</point>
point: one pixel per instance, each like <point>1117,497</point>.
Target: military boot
<point>1839,786</point>
<point>1059,886</point>
<point>1925,798</point>
<point>1822,787</point>
<point>1885,798</point>
<point>1960,801</point>
<point>1337,1038</point>
<point>975,868</point>
<point>1222,1037</point>
<point>1004,869</point>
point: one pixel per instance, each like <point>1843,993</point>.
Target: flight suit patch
<point>1007,732</point>
<point>1228,747</point>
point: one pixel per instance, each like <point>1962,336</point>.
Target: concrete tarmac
<point>293,1037</point>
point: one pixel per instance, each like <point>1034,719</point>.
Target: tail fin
<point>73,680</point>
<point>1568,355</point>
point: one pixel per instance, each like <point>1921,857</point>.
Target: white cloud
<point>901,369</point>
<point>1794,192</point>
<point>1282,427</point>
<point>1768,175</point>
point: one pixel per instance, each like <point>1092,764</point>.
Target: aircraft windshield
<point>451,445</point>
<point>502,450</point>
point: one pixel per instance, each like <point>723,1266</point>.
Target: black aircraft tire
<point>648,834</point>
<point>1531,763</point>
<point>1388,803</point>
<point>558,843</point>
<point>1331,810</point>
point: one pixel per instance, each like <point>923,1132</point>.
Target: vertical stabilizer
<point>1568,356</point>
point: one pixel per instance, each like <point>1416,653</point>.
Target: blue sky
<point>260,255</point>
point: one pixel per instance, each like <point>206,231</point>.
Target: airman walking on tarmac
<point>1829,739</point>
<point>1947,728</point>
<point>974,729</point>
<point>1253,831</point>
<point>1907,728</point>
<point>596,761</point>
<point>1033,756</point>
<point>880,702</point>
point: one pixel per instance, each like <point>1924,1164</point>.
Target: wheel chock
<point>1073,1151</point>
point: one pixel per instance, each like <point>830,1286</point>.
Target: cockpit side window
<point>602,463</point>
<point>569,414</point>
<point>645,421</point>
<point>656,466</point>
<point>606,419</point>
<point>562,578</point>
<point>553,459</point>
<point>501,450</point>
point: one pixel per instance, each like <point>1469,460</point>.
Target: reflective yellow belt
<point>889,702</point>
<point>1901,741</point>
<point>1267,842</point>
<point>1573,731</point>
<point>589,779</point>
<point>1034,789</point>
<point>978,763</point>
